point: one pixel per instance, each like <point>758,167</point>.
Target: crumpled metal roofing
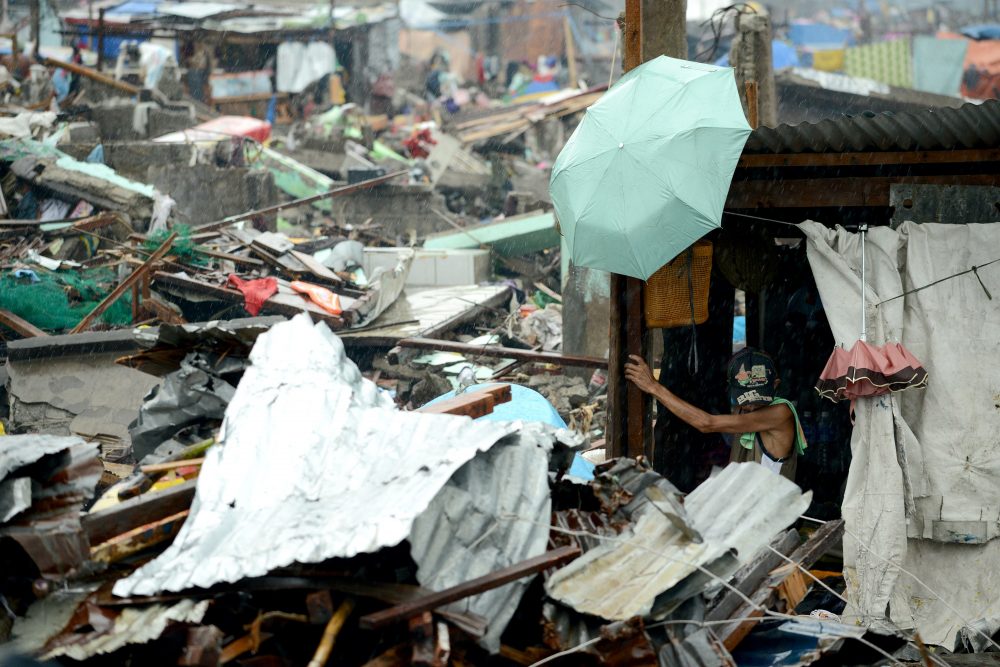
<point>969,126</point>
<point>17,451</point>
<point>493,513</point>
<point>133,626</point>
<point>739,509</point>
<point>315,463</point>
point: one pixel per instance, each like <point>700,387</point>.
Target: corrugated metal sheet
<point>493,513</point>
<point>738,509</point>
<point>132,626</point>
<point>17,451</point>
<point>315,464</point>
<point>969,126</point>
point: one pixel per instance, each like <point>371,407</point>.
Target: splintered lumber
<point>777,585</point>
<point>330,633</point>
<point>137,512</point>
<point>139,539</point>
<point>171,465</point>
<point>473,404</point>
<point>402,612</point>
<point>330,194</point>
<point>21,326</point>
<point>125,285</point>
<point>505,352</point>
<point>748,578</point>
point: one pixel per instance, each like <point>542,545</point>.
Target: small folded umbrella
<point>869,370</point>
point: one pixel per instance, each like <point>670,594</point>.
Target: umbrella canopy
<point>870,370</point>
<point>647,171</point>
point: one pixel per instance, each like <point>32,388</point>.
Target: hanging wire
<point>974,269</point>
<point>757,608</point>
<point>717,23</point>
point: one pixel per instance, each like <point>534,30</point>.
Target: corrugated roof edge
<point>969,126</point>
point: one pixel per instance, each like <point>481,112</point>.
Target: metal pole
<point>864,320</point>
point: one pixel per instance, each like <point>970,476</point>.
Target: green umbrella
<point>646,172</point>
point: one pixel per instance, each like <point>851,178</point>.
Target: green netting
<point>184,247</point>
<point>58,301</point>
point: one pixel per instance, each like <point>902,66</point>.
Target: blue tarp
<point>982,31</point>
<point>819,34</point>
<point>529,406</point>
<point>133,7</point>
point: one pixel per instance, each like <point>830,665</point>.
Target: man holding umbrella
<point>767,427</point>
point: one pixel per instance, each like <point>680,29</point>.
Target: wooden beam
<point>834,192</point>
<point>136,512</point>
<point>474,404</point>
<point>20,325</point>
<point>748,578</point>
<point>867,159</point>
<point>402,612</point>
<point>139,539</point>
<point>557,358</point>
<point>92,75</point>
<point>330,194</point>
<point>125,285</point>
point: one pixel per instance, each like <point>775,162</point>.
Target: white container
<point>434,268</point>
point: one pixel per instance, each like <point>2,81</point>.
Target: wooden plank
<point>465,405</point>
<point>505,352</point>
<point>92,75</point>
<point>270,210</point>
<point>139,539</point>
<point>869,158</point>
<point>748,578</point>
<point>617,427</point>
<point>766,595</point>
<point>166,466</point>
<point>136,512</point>
<point>20,325</point>
<point>834,192</point>
<point>407,610</point>
<point>132,279</point>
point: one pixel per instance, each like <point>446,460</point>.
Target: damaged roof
<point>969,126</point>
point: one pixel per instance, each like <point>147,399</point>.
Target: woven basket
<point>677,294</point>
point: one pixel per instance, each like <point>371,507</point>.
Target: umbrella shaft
<point>864,322</point>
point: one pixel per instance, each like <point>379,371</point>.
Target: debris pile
<point>384,536</point>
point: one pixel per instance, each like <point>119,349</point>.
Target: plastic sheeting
<point>315,463</point>
<point>925,462</point>
<point>938,65</point>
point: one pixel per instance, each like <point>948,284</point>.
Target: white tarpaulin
<point>923,491</point>
<point>299,64</point>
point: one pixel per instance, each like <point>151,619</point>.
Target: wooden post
<point>100,39</point>
<point>36,24</point>
<point>753,105</point>
<point>574,80</point>
<point>630,411</point>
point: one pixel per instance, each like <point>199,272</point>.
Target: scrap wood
<point>126,284</point>
<point>473,404</point>
<point>92,75</point>
<point>336,192</point>
<point>171,465</point>
<point>505,352</point>
<point>748,578</point>
<point>767,594</point>
<point>397,656</point>
<point>139,539</point>
<point>136,512</point>
<point>529,567</point>
<point>242,645</point>
<point>330,633</point>
<point>20,325</point>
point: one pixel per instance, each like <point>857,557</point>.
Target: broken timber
<point>336,192</point>
<point>505,352</point>
<point>474,404</point>
<point>407,610</point>
<point>21,326</point>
